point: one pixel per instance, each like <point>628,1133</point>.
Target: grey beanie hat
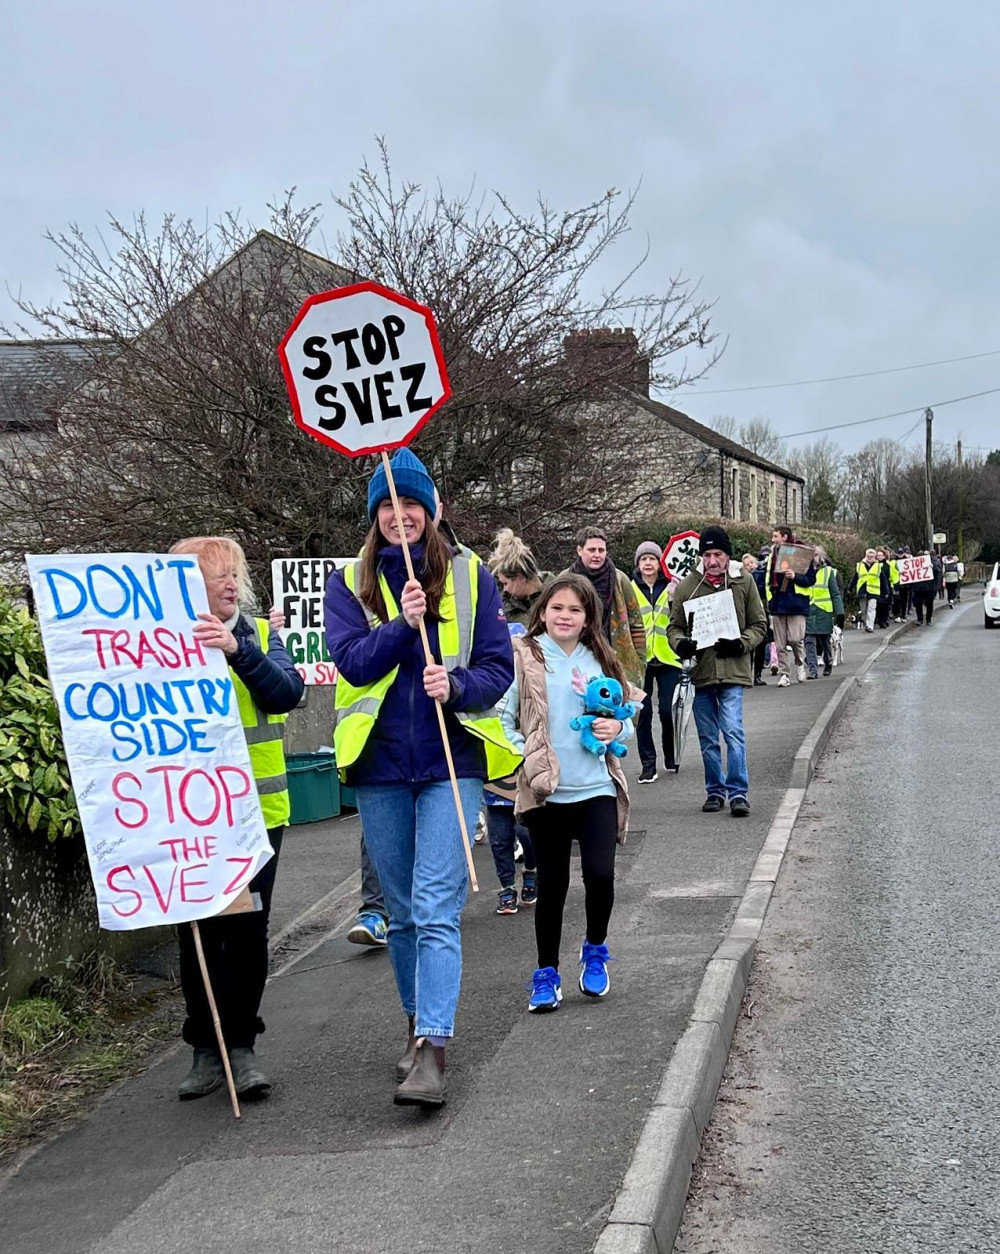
<point>648,548</point>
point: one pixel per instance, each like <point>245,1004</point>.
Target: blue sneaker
<point>546,990</point>
<point>594,979</point>
<point>370,929</point>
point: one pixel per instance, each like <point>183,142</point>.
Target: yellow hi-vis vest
<point>820,594</point>
<point>656,620</point>
<point>893,572</point>
<point>356,709</point>
<point>869,581</point>
<point>264,734</point>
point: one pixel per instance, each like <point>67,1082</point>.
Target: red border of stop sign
<point>339,293</point>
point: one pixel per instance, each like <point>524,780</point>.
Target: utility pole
<point>961,543</point>
<point>928,520</point>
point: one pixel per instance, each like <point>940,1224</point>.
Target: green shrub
<point>35,790</point>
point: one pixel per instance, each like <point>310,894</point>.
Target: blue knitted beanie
<point>412,479</point>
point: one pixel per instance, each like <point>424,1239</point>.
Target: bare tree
<point>756,434</point>
<point>183,425</point>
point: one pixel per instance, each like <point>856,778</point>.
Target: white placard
<point>915,569</point>
<point>364,368</point>
<point>156,751</point>
<point>713,618</point>
<point>298,585</point>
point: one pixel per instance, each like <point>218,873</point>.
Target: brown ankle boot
<point>406,1062</point>
<point>425,1085</point>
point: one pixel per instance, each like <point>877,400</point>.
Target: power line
<point>900,413</point>
<point>839,378</point>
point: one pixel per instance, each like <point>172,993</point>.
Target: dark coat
<point>782,597</point>
<point>405,744</point>
<point>271,678</point>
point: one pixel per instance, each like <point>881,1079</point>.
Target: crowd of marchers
<point>491,726</point>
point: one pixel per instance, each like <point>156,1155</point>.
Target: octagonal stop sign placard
<point>364,368</point>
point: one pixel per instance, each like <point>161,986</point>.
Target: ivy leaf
<point>22,665</point>
<point>34,814</point>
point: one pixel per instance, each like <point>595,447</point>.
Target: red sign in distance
<point>364,368</point>
<point>680,555</point>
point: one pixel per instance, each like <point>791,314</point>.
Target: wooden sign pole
<point>429,660</point>
<point>215,1018</point>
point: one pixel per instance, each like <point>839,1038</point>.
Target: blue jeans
<point>415,844</point>
<point>718,710</point>
<point>503,830</point>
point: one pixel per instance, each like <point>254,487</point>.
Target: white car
<point>991,598</point>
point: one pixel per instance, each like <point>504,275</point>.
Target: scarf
<point>605,580</point>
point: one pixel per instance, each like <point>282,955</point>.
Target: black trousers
<point>235,948</point>
<point>660,683</point>
<point>902,602</point>
<point>553,828</point>
<point>923,599</point>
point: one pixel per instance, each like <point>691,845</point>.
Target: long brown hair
<point>593,632</point>
<point>432,571</point>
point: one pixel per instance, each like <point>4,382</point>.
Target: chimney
<point>609,355</point>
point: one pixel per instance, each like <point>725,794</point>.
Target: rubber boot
<point>425,1085</point>
<point>250,1081</point>
<point>205,1076</point>
<point>405,1063</point>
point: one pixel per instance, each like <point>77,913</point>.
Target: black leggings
<point>554,827</point>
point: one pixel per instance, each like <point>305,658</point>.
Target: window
<point>753,496</point>
<point>772,492</point>
<point>736,492</point>
<point>795,506</point>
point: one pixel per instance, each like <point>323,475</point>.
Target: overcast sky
<point>829,172</point>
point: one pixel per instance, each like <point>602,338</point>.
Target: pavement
<point>860,1107</point>
<point>561,1131</point>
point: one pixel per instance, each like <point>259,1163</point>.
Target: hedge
<point>844,548</point>
<point>35,789</point>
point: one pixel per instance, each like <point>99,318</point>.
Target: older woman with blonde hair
<point>267,686</point>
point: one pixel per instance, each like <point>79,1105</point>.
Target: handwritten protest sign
<point>680,555</point>
<point>916,569</point>
<point>156,751</point>
<point>364,368</point>
<point>795,559</point>
<point>298,587</point>
<point>713,618</point>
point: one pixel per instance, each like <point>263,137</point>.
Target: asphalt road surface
<point>860,1110</point>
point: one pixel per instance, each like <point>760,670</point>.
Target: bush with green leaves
<point>35,789</point>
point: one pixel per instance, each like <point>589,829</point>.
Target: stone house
<point>670,463</point>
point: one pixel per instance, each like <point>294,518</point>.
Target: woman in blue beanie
<point>389,747</point>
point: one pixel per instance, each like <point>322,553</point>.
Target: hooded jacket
<point>709,668</point>
<point>405,744</point>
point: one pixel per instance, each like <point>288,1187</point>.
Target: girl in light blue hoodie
<point>565,636</point>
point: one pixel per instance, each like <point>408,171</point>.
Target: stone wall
<point>48,913</point>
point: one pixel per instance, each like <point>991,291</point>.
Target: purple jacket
<point>405,744</point>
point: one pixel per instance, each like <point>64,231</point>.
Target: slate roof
<point>34,374</point>
<point>707,436</point>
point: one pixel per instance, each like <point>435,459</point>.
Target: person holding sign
<point>788,600</point>
<point>723,668</point>
<point>267,686</point>
<point>389,745</point>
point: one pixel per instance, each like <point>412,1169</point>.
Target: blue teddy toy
<point>602,698</point>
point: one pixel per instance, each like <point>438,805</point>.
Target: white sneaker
<point>800,674</point>
<point>784,682</point>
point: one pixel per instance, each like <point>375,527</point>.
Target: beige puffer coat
<point>538,777</point>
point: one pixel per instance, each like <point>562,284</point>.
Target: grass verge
<point>82,1031</point>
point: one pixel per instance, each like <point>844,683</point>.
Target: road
<point>860,1109</point>
<point>544,1112</point>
